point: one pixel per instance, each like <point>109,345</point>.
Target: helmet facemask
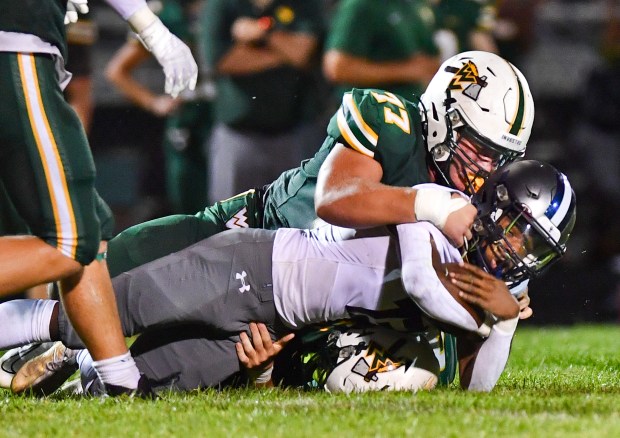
<point>472,155</point>
<point>513,245</point>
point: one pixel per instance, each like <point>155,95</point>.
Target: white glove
<point>73,7</point>
<point>172,54</point>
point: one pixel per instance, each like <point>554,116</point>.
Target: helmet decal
<point>467,79</point>
<point>375,360</point>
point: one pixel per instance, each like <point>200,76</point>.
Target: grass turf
<point>559,382</point>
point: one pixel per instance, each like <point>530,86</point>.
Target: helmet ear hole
<point>440,152</point>
<point>435,115</point>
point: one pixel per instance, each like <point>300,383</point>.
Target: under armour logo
<point>244,287</point>
<point>239,220</point>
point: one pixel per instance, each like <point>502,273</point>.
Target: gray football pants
<point>209,293</point>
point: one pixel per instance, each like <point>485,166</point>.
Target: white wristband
<point>435,205</point>
<point>506,326</point>
<point>141,19</point>
<point>264,377</point>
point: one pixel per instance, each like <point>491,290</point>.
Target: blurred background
<point>569,50</point>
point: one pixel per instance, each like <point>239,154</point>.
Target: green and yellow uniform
<point>46,165</point>
<point>376,123</point>
<point>383,31</point>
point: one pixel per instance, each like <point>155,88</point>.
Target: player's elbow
<point>330,212</point>
<point>113,73</point>
<point>335,67</point>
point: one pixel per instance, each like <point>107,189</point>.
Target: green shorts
<point>46,166</point>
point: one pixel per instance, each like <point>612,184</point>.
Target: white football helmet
<point>379,359</point>
<point>484,99</point>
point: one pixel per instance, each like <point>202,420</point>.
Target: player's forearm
<point>423,284</point>
<point>359,203</point>
<point>342,68</point>
<point>127,8</point>
<point>491,359</point>
<point>244,59</point>
<point>297,48</point>
<point>119,73</point>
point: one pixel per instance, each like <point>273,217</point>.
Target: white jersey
<point>317,277</point>
<point>332,273</point>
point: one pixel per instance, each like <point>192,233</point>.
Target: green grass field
<point>559,382</point>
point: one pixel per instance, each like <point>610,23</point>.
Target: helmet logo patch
<point>379,363</point>
<point>467,79</point>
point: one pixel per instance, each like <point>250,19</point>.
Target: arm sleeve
<point>126,8</point>
<point>421,282</point>
<point>492,356</point>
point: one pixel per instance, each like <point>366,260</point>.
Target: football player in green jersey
<point>476,114</point>
<point>47,170</point>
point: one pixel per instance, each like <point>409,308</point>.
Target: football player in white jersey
<point>289,279</point>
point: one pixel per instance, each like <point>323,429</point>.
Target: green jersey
<point>42,18</point>
<point>383,31</point>
<point>375,123</point>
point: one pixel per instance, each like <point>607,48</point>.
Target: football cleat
<point>14,359</point>
<point>144,390</point>
<point>45,373</point>
<point>71,388</point>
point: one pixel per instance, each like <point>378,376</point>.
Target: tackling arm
<point>349,193</point>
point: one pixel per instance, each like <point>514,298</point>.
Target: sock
<point>88,375</point>
<point>25,321</point>
<point>118,370</point>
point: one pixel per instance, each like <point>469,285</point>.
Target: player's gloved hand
<point>450,212</point>
<point>73,8</point>
<point>173,55</point>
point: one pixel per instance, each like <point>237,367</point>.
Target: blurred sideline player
<point>48,171</point>
<point>464,25</point>
<point>188,117</point>
<point>396,277</point>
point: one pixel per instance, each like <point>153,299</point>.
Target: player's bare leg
<point>87,296</point>
<point>88,299</point>
<point>27,261</point>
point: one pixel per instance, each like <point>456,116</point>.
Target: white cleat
<point>14,359</point>
<point>44,374</point>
